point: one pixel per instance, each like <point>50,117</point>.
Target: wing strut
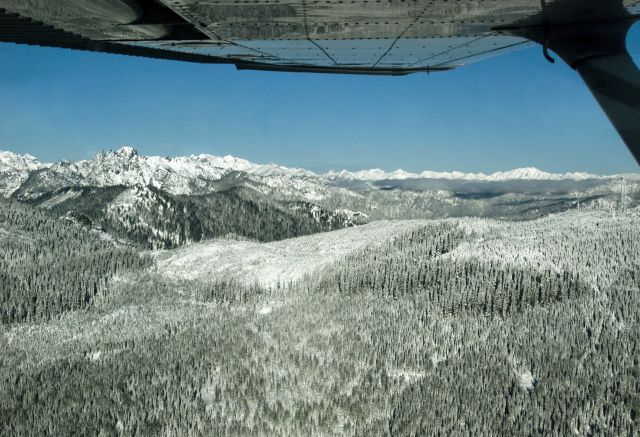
<point>598,52</point>
<point>614,81</point>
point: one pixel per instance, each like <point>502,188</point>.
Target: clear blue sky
<point>510,111</point>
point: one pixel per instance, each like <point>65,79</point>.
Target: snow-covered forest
<point>459,326</point>
<point>212,296</point>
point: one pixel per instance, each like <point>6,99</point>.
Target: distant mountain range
<point>526,173</point>
<point>154,201</point>
<point>194,174</point>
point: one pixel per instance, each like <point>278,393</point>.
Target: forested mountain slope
<point>494,267</point>
<point>401,344</point>
<point>49,266</point>
<point>150,218</point>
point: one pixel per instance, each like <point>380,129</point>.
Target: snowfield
<point>280,261</point>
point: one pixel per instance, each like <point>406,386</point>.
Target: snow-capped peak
<point>15,169</point>
<point>224,162</point>
<point>363,175</point>
<point>122,152</point>
<point>178,175</point>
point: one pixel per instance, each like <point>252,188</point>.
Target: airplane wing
<point>389,37</point>
<point>346,36</point>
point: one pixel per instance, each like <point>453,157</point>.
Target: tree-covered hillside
<point>50,265</point>
<point>151,218</point>
<point>416,265</point>
<point>463,327</point>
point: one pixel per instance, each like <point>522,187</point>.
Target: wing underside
<point>359,36</point>
<point>344,36</point>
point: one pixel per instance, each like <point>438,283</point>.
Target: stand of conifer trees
<point>49,265</point>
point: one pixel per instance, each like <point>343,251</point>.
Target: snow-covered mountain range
<point>165,202</point>
<point>525,173</point>
<point>180,176</point>
<point>155,201</point>
<point>194,174</point>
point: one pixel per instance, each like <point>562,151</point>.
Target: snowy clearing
<point>278,261</point>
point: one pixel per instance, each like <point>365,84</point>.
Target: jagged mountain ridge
<point>192,175</point>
